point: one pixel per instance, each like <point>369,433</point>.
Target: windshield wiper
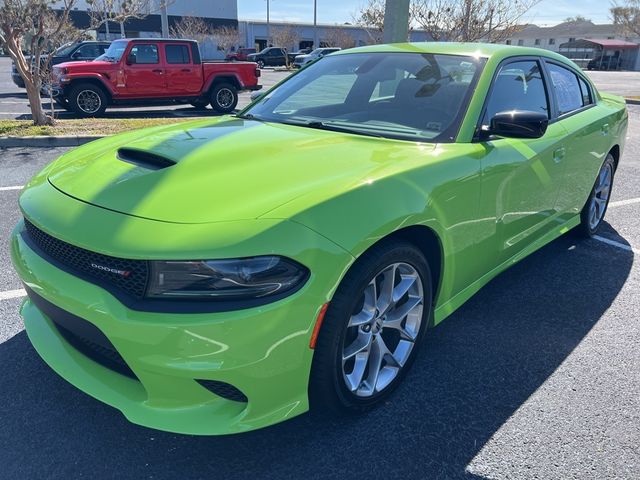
<point>336,128</point>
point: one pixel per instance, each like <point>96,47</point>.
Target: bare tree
<point>626,17</point>
<point>31,25</point>
<point>285,37</point>
<point>226,37</point>
<point>471,20</point>
<point>192,28</point>
<point>101,12</point>
<point>371,18</point>
<point>339,37</point>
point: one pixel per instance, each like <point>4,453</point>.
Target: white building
<point>583,41</point>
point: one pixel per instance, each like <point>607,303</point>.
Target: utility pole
<point>164,19</point>
<point>396,21</point>
<point>315,24</point>
<point>268,27</point>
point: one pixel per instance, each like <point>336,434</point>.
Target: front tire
<point>87,100</point>
<point>260,64</point>
<point>224,98</point>
<point>593,212</point>
<point>372,330</point>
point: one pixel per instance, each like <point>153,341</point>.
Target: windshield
<point>114,52</point>
<point>316,51</point>
<point>409,96</point>
<point>65,49</point>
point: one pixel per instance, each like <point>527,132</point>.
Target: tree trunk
<point>35,103</point>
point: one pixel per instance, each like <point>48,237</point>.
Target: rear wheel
<point>593,212</point>
<point>372,329</point>
<point>87,100</point>
<point>224,97</point>
<point>260,63</point>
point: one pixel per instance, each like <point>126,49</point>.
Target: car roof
<point>483,50</point>
<point>156,40</point>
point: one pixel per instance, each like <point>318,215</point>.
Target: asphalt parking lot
<point>537,376</point>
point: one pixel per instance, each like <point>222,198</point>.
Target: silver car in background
<point>302,60</point>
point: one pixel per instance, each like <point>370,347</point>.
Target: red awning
<point>612,43</point>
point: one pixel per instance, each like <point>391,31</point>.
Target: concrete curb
<point>632,101</point>
<point>47,141</point>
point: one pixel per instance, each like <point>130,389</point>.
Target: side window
<point>587,99</point>
<point>565,83</point>
<point>518,86</point>
<point>90,51</point>
<point>176,53</point>
<point>145,54</point>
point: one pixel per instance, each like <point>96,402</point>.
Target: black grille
<point>83,336</point>
<point>126,275</point>
<point>224,390</point>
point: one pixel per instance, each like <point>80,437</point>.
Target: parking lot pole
<point>164,19</point>
<point>396,21</point>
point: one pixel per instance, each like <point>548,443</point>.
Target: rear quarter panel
<point>243,72</point>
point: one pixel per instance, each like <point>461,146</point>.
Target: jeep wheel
<point>87,100</point>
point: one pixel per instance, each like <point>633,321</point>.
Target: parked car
<point>240,55</point>
<point>269,57</point>
<point>224,275</point>
<point>606,62</point>
<point>152,72</point>
<point>302,60</point>
<point>84,51</point>
<point>292,56</point>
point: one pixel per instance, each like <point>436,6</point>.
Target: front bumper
<point>264,352</point>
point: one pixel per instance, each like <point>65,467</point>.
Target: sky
<point>547,12</point>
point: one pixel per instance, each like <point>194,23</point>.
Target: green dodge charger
<point>227,274</point>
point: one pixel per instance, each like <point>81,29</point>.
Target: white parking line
<point>12,294</point>
<point>613,243</point>
<point>15,187</point>
<point>620,203</point>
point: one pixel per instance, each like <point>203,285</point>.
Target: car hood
<point>220,170</point>
<point>303,57</point>
<point>82,64</point>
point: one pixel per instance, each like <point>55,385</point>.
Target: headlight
<point>225,280</point>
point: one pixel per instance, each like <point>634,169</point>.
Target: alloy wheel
<point>600,198</point>
<point>89,101</point>
<point>383,330</point>
<point>224,97</point>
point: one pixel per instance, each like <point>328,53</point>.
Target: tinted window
<point>177,53</point>
<point>565,84</point>
<point>586,92</point>
<point>89,51</point>
<point>145,54</point>
<point>405,95</point>
<point>518,86</point>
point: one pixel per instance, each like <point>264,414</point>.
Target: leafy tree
<point>285,37</point>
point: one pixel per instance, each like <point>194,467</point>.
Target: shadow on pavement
<point>476,370</point>
<point>175,113</point>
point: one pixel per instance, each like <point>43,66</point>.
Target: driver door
<point>521,178</point>
<point>145,76</point>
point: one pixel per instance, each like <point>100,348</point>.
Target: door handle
<point>559,154</point>
<point>186,70</point>
<point>605,129</point>
<point>157,70</point>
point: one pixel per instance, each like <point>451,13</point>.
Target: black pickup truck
<point>77,51</point>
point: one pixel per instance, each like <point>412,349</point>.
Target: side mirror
<point>517,124</point>
<point>131,59</point>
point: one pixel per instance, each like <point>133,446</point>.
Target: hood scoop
<point>144,159</point>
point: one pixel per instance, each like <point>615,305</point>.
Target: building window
<point>520,43</point>
<point>508,42</point>
<point>572,39</point>
<point>552,41</point>
<point>538,42</point>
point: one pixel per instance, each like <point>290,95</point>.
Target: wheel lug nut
<point>366,328</point>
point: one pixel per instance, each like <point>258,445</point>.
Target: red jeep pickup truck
<point>134,72</point>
